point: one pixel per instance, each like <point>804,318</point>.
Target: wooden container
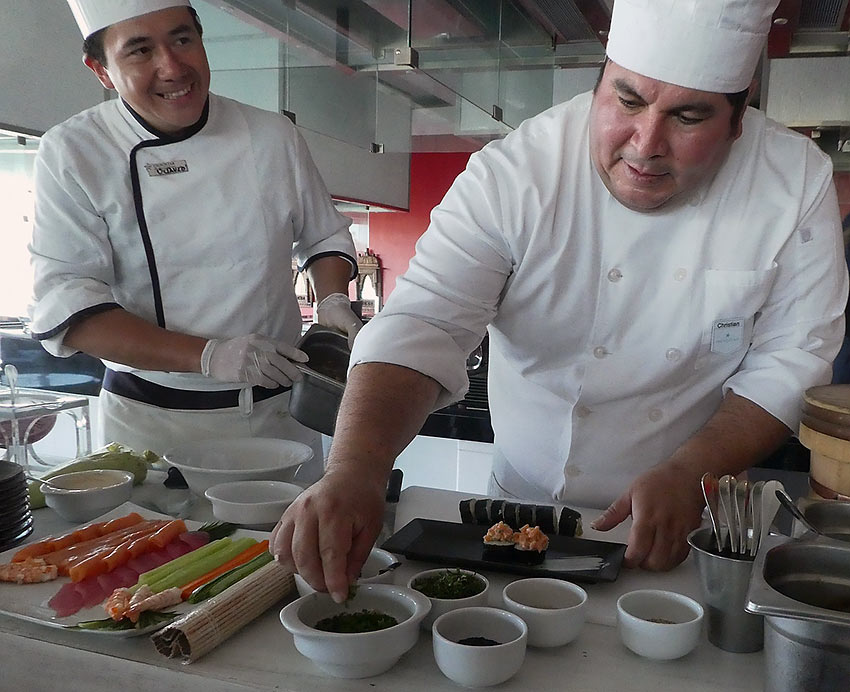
<point>825,431</point>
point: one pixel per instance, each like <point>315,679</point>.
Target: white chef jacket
<point>195,233</point>
<point>614,333</point>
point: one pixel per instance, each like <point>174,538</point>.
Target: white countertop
<point>263,657</point>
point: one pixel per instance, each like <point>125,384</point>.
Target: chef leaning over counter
<point>166,221</point>
<point>661,272</point>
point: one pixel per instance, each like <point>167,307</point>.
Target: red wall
<point>392,235</point>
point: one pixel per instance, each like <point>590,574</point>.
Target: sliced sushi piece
<point>569,522</point>
<point>467,515</point>
<point>479,511</point>
<point>530,545</point>
<point>499,542</point>
<point>545,519</point>
<point>496,510</point>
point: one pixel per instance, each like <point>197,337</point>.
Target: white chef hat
<point>710,45</point>
<point>93,15</point>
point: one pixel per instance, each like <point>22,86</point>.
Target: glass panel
<point>17,155</point>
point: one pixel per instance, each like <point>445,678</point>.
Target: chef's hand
<point>666,505</point>
<point>327,533</point>
<point>253,359</point>
<point>335,312</point>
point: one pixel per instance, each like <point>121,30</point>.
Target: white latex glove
<point>253,359</point>
<point>335,312</point>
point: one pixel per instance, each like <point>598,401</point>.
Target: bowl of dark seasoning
<point>449,589</point>
<point>479,646</point>
<point>362,637</point>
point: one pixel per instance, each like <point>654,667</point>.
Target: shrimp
<point>33,570</point>
<point>152,601</point>
<point>117,604</point>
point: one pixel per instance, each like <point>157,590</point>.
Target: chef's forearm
<point>122,337</point>
<point>329,275</point>
<point>383,409</point>
<point>738,435</point>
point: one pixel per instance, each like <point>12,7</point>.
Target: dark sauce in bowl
<point>478,641</point>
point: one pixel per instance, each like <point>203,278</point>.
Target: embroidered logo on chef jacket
<point>727,335</point>
<point>167,168</point>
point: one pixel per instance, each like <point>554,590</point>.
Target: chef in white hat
<point>660,272</point>
<point>166,223</point>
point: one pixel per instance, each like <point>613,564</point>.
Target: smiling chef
<point>661,272</point>
<point>166,221</point>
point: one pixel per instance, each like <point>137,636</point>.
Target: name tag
<point>727,335</point>
<point>166,168</point>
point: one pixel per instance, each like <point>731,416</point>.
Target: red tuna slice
<point>177,548</point>
<point>160,557</point>
<point>108,582</point>
<point>194,539</point>
<point>143,563</point>
<point>66,601</point>
<point>127,575</point>
<point>92,592</point>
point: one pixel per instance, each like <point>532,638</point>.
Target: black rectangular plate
<point>460,545</point>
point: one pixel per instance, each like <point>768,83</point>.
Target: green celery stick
<point>221,582</point>
<point>193,570</point>
<point>198,554</point>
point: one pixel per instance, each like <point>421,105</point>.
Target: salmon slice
<point>168,533</point>
<point>79,550</point>
<point>54,543</point>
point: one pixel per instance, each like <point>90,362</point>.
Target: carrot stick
<point>240,559</point>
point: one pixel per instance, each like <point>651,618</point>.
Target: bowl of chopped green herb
<point>448,589</point>
<point>362,637</point>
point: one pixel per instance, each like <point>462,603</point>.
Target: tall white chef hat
<point>93,15</point>
<point>710,45</point>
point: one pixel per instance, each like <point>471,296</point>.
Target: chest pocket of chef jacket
<point>729,295</point>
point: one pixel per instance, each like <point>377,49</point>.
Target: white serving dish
<point>83,495</point>
<point>363,654</point>
<point>253,504</point>
<point>553,609</point>
<point>378,559</point>
<point>444,605</point>
<point>479,666</point>
<point>205,463</point>
<point>674,638</point>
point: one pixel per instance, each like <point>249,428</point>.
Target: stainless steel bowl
<point>315,398</point>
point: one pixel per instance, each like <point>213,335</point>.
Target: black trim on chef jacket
<point>76,317</point>
<point>132,386</point>
<point>163,139</point>
<point>341,255</point>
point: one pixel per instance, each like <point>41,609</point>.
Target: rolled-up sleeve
<point>800,327</point>
<point>70,252</point>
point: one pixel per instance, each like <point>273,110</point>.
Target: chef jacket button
<point>656,415</point>
<point>600,352</point>
<point>615,275</point>
<point>680,274</point>
<point>673,354</point>
<point>582,412</point>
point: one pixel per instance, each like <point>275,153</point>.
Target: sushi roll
<point>569,522</point>
<point>499,542</point>
<point>530,545</point>
<point>467,513</point>
<point>545,519</point>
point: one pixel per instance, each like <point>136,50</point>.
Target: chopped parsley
<point>449,584</point>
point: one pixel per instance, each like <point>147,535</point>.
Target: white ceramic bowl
<point>553,609</point>
<point>378,559</point>
<point>479,666</point>
<point>659,624</point>
<point>84,495</point>
<point>444,605</point>
<point>205,463</point>
<point>255,504</point>
<point>363,654</point>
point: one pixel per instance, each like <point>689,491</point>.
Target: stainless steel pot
<point>314,400</point>
<point>803,590</point>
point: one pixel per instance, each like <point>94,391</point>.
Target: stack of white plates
<point>15,517</point>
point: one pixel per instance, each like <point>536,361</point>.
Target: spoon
<point>388,568</point>
<point>769,507</point>
<point>788,504</point>
<point>45,481</point>
<point>710,491</point>
<point>742,501</point>
<point>727,490</point>
<point>755,505</point>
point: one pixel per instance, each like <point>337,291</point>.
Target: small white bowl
<point>475,665</point>
<point>205,463</point>
<point>444,605</point>
<point>363,654</point>
<point>84,495</point>
<point>659,624</point>
<point>378,559</point>
<point>255,504</point>
<point>553,609</point>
